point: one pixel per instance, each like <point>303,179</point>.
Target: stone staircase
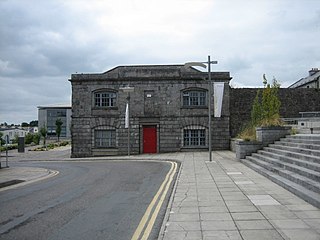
<point>293,163</point>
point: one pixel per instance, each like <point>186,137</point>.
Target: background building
<point>168,111</point>
<point>13,133</point>
<point>47,116</point>
<point>312,81</point>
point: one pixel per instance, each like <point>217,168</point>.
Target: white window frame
<point>104,99</point>
<point>194,98</point>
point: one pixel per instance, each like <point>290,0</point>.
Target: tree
<point>265,109</point>
<point>43,132</point>
<point>33,123</point>
<point>36,138</point>
<point>270,104</point>
<point>28,138</point>
<point>24,124</point>
<point>2,140</point>
<point>58,128</point>
<point>256,112</point>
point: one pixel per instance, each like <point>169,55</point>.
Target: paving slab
<point>221,235</point>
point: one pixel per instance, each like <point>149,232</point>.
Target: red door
<point>149,139</point>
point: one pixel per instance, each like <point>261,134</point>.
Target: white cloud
<point>42,44</point>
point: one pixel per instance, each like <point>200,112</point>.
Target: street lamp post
<point>202,64</point>
<point>128,90</point>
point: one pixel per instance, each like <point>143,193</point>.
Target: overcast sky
<point>43,42</point>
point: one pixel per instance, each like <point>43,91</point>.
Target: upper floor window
<point>194,98</point>
<point>105,99</point>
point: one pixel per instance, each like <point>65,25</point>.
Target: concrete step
<point>307,195</point>
<point>302,140</point>
<point>283,142</point>
<point>297,149</point>
<point>315,167</point>
<point>291,154</point>
<point>305,136</point>
<point>299,175</point>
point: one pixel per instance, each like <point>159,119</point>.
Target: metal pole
<point>7,140</point>
<point>128,124</point>
<point>209,107</point>
<point>0,151</point>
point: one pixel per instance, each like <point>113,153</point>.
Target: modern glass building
<point>47,116</point>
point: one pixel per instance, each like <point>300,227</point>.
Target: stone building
<point>168,111</point>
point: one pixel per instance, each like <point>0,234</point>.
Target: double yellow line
<point>145,226</point>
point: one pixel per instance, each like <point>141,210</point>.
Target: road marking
<point>157,209</point>
<point>144,224</point>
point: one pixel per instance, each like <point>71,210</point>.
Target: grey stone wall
<point>293,101</point>
<point>267,135</point>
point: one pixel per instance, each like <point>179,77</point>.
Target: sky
<point>43,42</point>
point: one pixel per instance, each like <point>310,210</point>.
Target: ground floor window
<point>194,137</point>
<point>105,138</point>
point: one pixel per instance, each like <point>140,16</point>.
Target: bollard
<point>21,144</point>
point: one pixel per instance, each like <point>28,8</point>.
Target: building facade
<point>47,116</point>
<point>11,134</point>
<point>168,111</point>
<point>311,81</point>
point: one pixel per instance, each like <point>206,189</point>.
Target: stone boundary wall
<point>293,101</point>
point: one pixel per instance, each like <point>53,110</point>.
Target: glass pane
<point>105,138</point>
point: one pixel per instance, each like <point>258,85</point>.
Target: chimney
<point>313,71</point>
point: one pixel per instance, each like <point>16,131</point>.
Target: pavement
<point>222,199</point>
<point>19,176</point>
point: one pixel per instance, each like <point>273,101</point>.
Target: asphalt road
<point>86,200</point>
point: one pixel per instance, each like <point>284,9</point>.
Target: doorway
<point>149,139</point>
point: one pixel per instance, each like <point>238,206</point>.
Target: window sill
<point>194,147</point>
<point>105,148</point>
<point>105,108</point>
<point>194,107</point>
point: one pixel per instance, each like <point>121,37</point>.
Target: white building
<point>13,133</point>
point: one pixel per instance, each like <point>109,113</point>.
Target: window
<point>194,137</point>
<point>105,138</point>
<point>194,98</point>
<point>52,116</point>
<point>105,99</point>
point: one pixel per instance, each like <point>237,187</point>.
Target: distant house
<point>12,133</point>
<point>47,116</point>
<point>312,81</point>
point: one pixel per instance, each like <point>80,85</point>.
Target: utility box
<point>21,144</point>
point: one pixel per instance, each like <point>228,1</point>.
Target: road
<point>86,200</point>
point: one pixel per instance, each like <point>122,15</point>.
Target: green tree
<point>28,138</point>
<point>33,123</point>
<point>43,132</point>
<point>16,139</point>
<point>270,105</point>
<point>24,124</point>
<point>265,109</point>
<point>36,138</point>
<point>256,112</point>
<point>2,140</point>
<point>58,128</point>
